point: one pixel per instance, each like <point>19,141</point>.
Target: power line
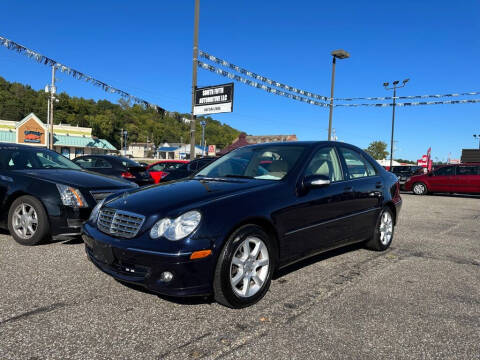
<point>260,77</point>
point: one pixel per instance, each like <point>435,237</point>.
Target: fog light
<point>166,276</point>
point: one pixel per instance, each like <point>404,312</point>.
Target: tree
<point>378,150</point>
<point>106,119</point>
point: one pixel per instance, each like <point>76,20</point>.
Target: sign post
<point>213,99</point>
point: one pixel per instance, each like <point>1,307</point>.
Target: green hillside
<point>106,118</point>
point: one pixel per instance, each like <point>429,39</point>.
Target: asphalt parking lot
<point>420,299</point>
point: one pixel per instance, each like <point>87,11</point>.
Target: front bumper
<point>65,220</point>
<point>125,262</point>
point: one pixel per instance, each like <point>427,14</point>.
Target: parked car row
<point>223,231</point>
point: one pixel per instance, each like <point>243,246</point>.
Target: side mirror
<point>430,174</point>
<point>316,181</point>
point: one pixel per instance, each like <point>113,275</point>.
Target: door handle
<point>378,185</point>
<point>348,189</point>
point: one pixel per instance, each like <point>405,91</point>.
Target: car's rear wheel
<point>419,188</point>
<point>244,268</point>
<point>384,229</point>
<point>27,221</point>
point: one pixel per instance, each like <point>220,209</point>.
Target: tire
<point>419,188</point>
<point>382,228</point>
<point>252,280</point>
<point>36,217</point>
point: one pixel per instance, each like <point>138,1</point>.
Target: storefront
<point>70,141</point>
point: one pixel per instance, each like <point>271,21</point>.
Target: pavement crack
<point>43,309</point>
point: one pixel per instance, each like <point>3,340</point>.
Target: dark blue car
<point>257,209</point>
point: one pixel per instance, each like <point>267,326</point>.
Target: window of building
<point>65,151</point>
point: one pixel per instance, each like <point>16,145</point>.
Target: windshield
<point>266,162</point>
<point>26,159</point>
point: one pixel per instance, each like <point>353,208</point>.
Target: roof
<point>80,141</point>
<point>167,148</point>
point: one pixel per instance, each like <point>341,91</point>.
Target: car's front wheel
<point>27,221</point>
<point>419,188</point>
<point>244,268</point>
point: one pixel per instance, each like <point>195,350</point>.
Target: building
<point>179,151</point>
<point>70,141</point>
<point>470,155</point>
<point>244,139</point>
<point>141,150</point>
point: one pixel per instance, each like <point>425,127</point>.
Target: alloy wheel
<point>419,189</point>
<point>386,228</point>
<point>25,221</point>
<point>249,267</point>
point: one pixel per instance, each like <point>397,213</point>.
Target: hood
<point>175,196</point>
<point>78,178</point>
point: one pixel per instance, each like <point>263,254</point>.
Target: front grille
<point>100,195</point>
<point>119,223</point>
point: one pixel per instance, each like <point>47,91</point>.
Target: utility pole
<point>52,98</point>
<point>394,87</point>
<point>47,90</point>
<point>194,77</point>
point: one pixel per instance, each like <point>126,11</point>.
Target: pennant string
<point>11,45</point>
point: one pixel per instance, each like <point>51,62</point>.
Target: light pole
<point>203,123</point>
<point>394,87</point>
<point>477,137</point>
<point>341,54</point>
<point>194,77</point>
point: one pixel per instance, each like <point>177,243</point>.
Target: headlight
<point>96,210</point>
<point>71,196</point>
<point>176,229</point>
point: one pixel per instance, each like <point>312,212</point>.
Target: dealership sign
<point>213,99</point>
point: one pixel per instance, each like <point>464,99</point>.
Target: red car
<point>462,178</point>
<point>160,169</point>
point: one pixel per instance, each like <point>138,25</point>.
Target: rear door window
<point>86,162</point>
<point>445,171</point>
<point>467,170</point>
<point>102,164</point>
<point>357,165</point>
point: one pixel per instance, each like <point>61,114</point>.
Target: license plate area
<point>103,253</point>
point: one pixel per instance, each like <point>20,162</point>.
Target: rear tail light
<point>128,175</point>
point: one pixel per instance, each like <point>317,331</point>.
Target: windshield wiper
<point>238,176</point>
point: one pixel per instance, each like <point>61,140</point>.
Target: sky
<point>145,48</point>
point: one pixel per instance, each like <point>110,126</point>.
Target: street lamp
<point>394,87</point>
<point>477,137</point>
<point>340,54</point>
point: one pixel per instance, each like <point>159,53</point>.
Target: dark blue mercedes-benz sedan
<point>257,209</point>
